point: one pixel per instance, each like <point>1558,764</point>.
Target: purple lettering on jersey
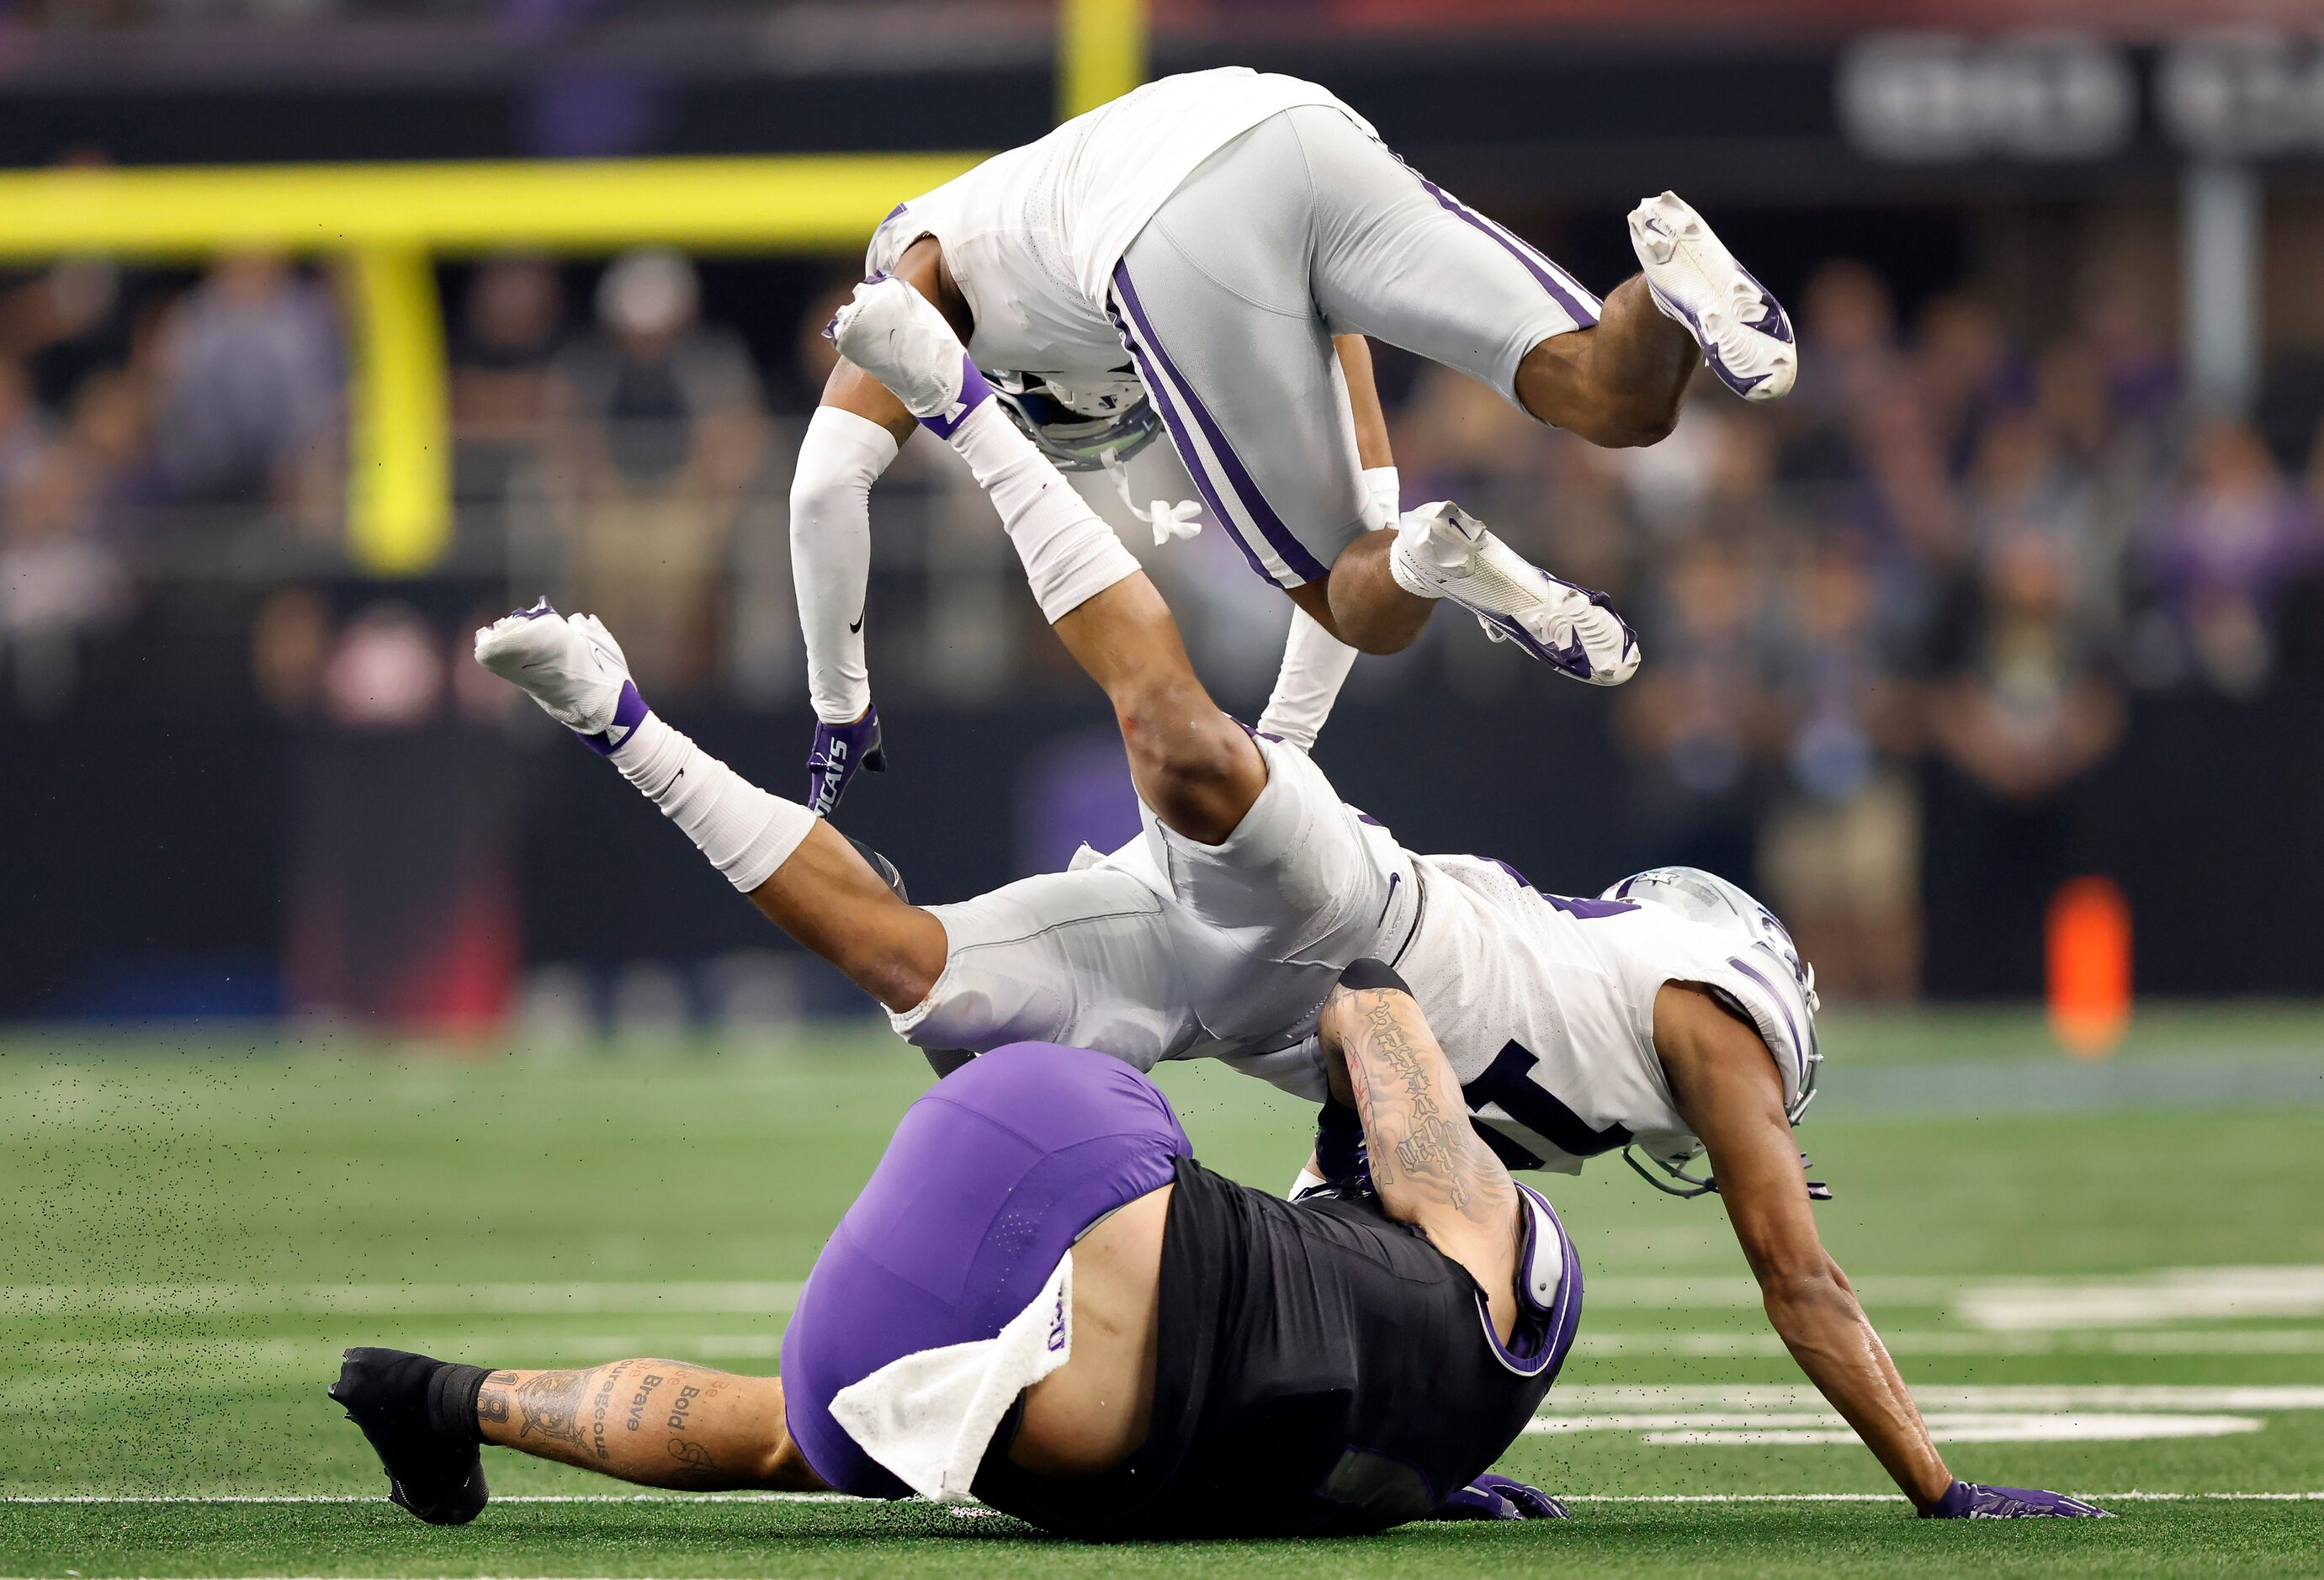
<point>1587,909</point>
<point>1507,1083</point>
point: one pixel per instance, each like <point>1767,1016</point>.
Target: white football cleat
<point>1696,282</point>
<point>895,334</point>
<point>1442,551</point>
<point>571,666</point>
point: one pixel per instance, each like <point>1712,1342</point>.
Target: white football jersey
<point>1544,1006</point>
<point>1032,234</point>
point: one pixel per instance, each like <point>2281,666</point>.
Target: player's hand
<point>840,751</point>
<point>1968,1501</point>
<point>1499,1497</point>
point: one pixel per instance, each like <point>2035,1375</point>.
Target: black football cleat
<point>880,865</point>
<point>434,1474</point>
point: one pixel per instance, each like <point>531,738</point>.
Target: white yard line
<point>2269,1341</point>
<point>690,1297</point>
<point>2078,1301</point>
<point>2123,1497</point>
<point>111,1357</point>
<point>1753,1428</point>
<point>1589,1397</point>
<point>273,1498</point>
<point>2169,1294</point>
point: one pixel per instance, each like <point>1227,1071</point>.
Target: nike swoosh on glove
<point>840,751</point>
<point>1499,1497</point>
<point>1968,1501</point>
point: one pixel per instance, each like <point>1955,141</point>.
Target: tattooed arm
<point>658,1423</point>
<point>1427,1162</point>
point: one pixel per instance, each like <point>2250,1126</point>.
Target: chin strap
<point>1680,1183</point>
<point>1170,519</point>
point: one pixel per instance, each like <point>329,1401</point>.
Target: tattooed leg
<point>657,1423</point>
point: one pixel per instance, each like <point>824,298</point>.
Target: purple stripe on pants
<point>1178,437</point>
<point>991,1178</point>
<point>1295,554</point>
<point>1538,266</point>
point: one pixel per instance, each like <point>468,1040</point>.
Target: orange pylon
<point>2089,966</point>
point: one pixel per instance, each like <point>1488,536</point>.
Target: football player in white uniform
<point>1671,1013</point>
<point>1205,255</point>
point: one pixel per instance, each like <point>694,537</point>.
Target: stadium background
<point>2027,583</point>
<point>329,960</point>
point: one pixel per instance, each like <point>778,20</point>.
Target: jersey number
<point>1507,1084</point>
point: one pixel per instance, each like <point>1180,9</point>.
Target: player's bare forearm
<point>1731,1094</point>
<point>656,1423</point>
<point>1824,1327</point>
<point>1427,1162</point>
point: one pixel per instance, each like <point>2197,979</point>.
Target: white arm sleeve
<point>1070,555</point>
<point>1316,663</point>
<point>842,455</point>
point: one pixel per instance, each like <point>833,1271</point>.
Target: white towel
<point>929,1417</point>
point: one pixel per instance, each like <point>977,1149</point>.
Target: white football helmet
<point>1709,898</point>
<point>1705,897</point>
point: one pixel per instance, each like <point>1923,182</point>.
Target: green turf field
<point>2103,1278</point>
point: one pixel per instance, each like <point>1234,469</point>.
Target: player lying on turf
<point>1573,1027</point>
<point>1041,1299</point>
<point>1185,257</point>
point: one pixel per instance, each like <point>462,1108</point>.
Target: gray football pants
<point>1303,228</point>
<point>1172,948</point>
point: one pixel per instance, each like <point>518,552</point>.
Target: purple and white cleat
<point>1442,551</point>
<point>572,666</point>
<point>1969,1501</point>
<point>1696,282</point>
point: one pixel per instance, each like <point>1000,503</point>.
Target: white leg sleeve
<point>842,455</point>
<point>1082,958</point>
<point>1070,554</point>
<point>746,833</point>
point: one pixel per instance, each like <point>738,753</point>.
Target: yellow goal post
<point>384,224</point>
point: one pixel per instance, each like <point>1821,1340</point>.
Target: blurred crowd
<point>1926,587</point>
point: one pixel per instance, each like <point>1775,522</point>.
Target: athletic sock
<point>1070,554</point>
<point>1403,566</point>
<point>452,1402</point>
<point>1315,665</point>
<point>745,832</point>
